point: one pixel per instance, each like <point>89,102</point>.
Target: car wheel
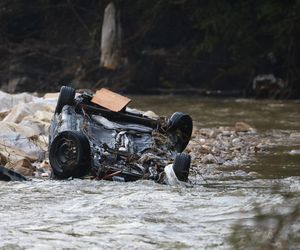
<point>66,97</point>
<point>69,155</point>
<point>182,125</point>
<point>181,166</point>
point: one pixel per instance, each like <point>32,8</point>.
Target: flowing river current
<point>48,214</point>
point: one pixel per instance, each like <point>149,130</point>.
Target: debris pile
<point>24,125</point>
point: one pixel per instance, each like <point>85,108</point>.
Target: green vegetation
<point>167,43</point>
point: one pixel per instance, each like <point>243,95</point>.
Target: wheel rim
<point>67,152</point>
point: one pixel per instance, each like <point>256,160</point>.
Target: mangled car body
<point>89,139</point>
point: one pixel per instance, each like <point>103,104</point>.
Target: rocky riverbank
<point>220,153</point>
<point>25,121</point>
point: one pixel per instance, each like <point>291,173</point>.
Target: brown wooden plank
<point>110,100</point>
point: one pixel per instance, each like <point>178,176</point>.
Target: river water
<point>144,215</point>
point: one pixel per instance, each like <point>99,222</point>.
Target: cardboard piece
<point>110,100</point>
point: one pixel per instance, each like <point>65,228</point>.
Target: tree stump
<point>111,38</point>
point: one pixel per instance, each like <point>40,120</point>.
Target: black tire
<point>66,97</point>
<point>182,125</point>
<point>10,175</point>
<point>70,155</point>
<point>181,166</point>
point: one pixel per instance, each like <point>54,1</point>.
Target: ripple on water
<point>82,213</point>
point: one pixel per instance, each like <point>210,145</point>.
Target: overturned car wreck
<point>87,139</point>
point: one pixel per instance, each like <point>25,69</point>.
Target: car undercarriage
<point>87,139</point>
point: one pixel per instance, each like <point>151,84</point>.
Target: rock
<point>7,128</point>
<point>14,147</point>
<point>151,114</point>
<point>23,132</point>
<point>294,152</point>
<point>236,141</point>
<point>295,135</point>
<point>45,175</point>
<point>37,126</point>
<point>260,146</point>
<point>3,159</point>
<point>23,167</point>
<point>44,116</point>
<point>8,101</point>
<point>3,114</point>
<point>202,141</point>
<point>240,173</point>
<point>205,149</point>
<point>253,174</point>
<point>43,169</point>
<point>51,95</point>
<point>226,133</point>
<point>22,110</point>
<point>236,148</point>
<point>207,159</point>
<point>243,127</point>
<point>13,155</point>
<point>45,165</point>
<point>212,134</point>
<point>207,132</point>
